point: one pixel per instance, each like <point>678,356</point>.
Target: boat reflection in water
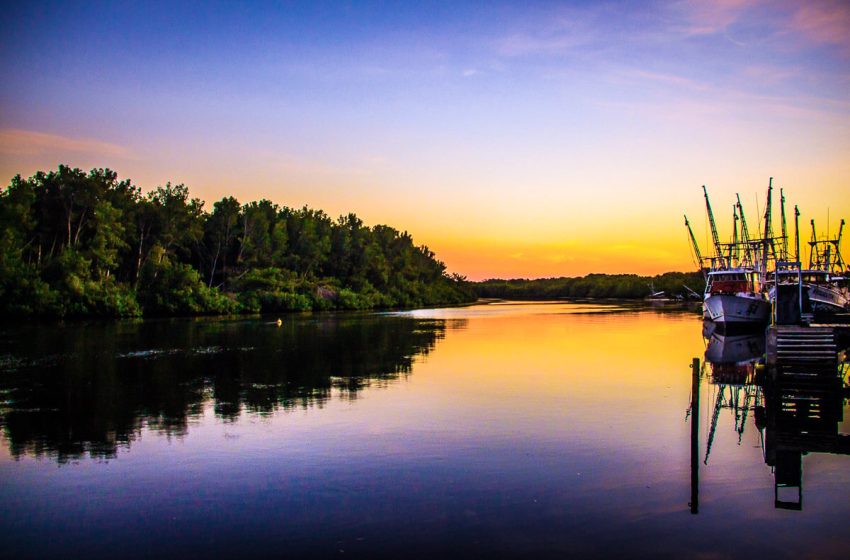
<point>732,360</point>
<point>797,407</point>
<point>732,357</point>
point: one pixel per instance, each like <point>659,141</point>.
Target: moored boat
<point>734,296</point>
<point>827,294</point>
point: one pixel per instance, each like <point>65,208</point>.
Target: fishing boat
<point>735,296</point>
<point>823,286</point>
<point>827,294</point>
<point>660,296</point>
<point>734,291</point>
<point>826,278</point>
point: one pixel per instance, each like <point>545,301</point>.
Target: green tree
<point>220,233</point>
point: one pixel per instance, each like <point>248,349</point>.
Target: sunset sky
<point>515,139</point>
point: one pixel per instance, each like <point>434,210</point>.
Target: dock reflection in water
<point>798,408</point>
<point>803,411</point>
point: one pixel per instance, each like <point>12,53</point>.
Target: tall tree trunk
<point>79,228</point>
<point>244,238</point>
<point>215,261</point>
<point>139,256</point>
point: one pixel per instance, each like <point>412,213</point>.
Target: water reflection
<point>69,392</point>
<point>535,431</point>
<point>797,407</point>
<point>802,413</point>
<point>726,351</point>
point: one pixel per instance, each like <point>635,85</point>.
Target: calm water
<point>510,429</point>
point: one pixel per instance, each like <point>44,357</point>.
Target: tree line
<point>622,286</point>
<point>88,244</point>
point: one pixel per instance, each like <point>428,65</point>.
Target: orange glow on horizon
<point>576,232</point>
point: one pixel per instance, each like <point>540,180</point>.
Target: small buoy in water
<point>279,322</point>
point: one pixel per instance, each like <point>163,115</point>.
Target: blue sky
<point>514,139</point>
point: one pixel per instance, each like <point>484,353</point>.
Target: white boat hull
<point>824,300</point>
<point>828,299</point>
<point>737,309</point>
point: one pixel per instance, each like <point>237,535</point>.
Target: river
<point>510,429</point>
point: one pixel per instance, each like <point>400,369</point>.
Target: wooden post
<point>695,371</point>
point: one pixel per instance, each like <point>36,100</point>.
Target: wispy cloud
<point>666,79</point>
<point>815,22</point>
<point>519,44</point>
<point>602,27</point>
<point>708,18</point>
<point>824,22</point>
<point>745,23</point>
<point>555,33</point>
<point>20,142</point>
<point>707,98</point>
<point>770,73</point>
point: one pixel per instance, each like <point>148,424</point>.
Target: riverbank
<point>77,244</point>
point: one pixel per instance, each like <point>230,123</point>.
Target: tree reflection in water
<point>86,390</point>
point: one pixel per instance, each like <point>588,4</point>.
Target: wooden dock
<point>811,345</point>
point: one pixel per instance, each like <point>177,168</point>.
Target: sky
<point>515,139</point>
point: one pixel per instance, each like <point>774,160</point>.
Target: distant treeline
<point>86,244</point>
<point>626,286</point>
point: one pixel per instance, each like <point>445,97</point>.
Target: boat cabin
<point>733,282</point>
<point>807,276</point>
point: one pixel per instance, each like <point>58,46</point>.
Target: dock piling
<point>695,371</point>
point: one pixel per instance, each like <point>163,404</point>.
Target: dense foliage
<point>626,286</point>
<point>86,244</point>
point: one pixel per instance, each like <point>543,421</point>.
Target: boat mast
<point>829,258</point>
<point>718,250</point>
<point>694,244</point>
<point>745,234</point>
<point>814,254</point>
<point>767,241</point>
<point>839,260</point>
<point>784,230</point>
<point>797,235</point>
<point>733,247</point>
